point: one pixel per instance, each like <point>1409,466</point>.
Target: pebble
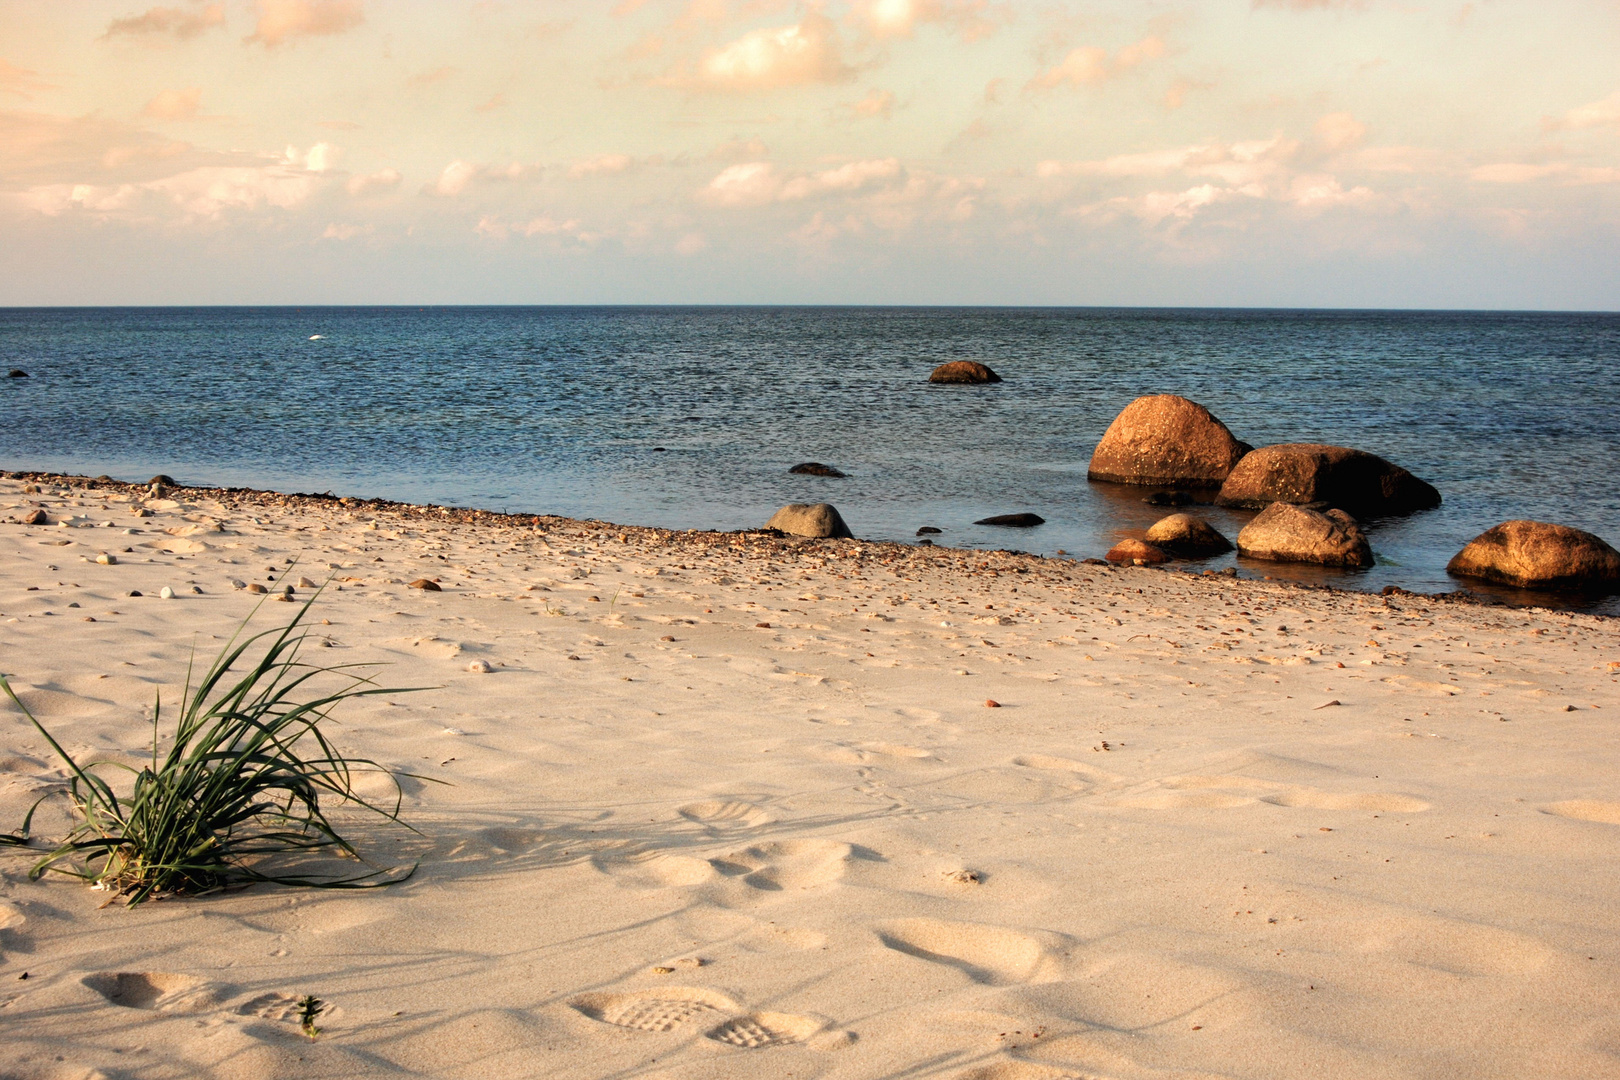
<point>253,588</point>
<point>305,583</point>
<point>166,593</point>
<point>135,592</point>
<point>426,585</point>
<point>197,589</point>
<point>992,703</point>
<point>480,666</point>
<point>38,517</point>
<point>106,560</point>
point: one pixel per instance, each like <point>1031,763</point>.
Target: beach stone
<point>1355,481</point>
<point>17,373</point>
<point>1166,439</point>
<point>1537,554</point>
<point>963,371</point>
<point>1187,536</point>
<point>166,593</point>
<point>816,468</point>
<point>1136,553</point>
<point>162,478</point>
<point>480,666</point>
<point>255,587</point>
<point>107,559</point>
<point>929,530</point>
<point>1013,521</point>
<point>1284,532</point>
<point>809,519</point>
<point>38,517</point>
<point>426,585</point>
<point>305,583</point>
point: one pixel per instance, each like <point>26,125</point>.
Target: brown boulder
<point>1360,483</point>
<point>1165,439</point>
<point>809,519</point>
<point>1284,532</point>
<point>1187,536</point>
<point>963,371</point>
<point>1136,553</point>
<point>1535,554</point>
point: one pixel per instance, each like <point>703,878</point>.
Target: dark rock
<point>1094,562</point>
<point>135,592</point>
<point>162,478</point>
<point>255,587</point>
<point>929,530</point>
<point>925,542</point>
<point>1137,553</point>
<point>1536,554</point>
<point>1360,483</point>
<point>1187,536</point>
<point>809,519</point>
<point>17,373</point>
<point>1169,498</point>
<point>425,584</point>
<point>38,517</point>
<point>1165,439</point>
<point>963,371</point>
<point>816,468</point>
<point>1284,532</point>
<point>1013,521</point>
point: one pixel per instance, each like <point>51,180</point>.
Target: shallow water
<point>691,417</point>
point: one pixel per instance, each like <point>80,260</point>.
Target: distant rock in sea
<point>17,373</point>
<point>1187,536</point>
<point>809,519</point>
<point>1165,439</point>
<point>927,530</point>
<point>816,468</point>
<point>1013,521</point>
<point>1360,483</point>
<point>1284,532</point>
<point>1536,554</point>
<point>963,371</point>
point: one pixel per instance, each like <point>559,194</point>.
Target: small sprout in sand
<point>310,1008</point>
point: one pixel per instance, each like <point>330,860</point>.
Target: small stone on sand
<point>426,585</point>
<point>481,666</point>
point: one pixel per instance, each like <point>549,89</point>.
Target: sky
<point>1287,153</point>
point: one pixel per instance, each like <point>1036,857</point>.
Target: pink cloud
<point>1090,64</point>
<point>281,21</point>
<point>803,53</point>
<point>173,22</point>
<point>174,104</point>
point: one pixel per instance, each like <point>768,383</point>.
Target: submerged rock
<point>1537,554</point>
<point>1187,536</point>
<point>1013,521</point>
<point>1360,483</point>
<point>963,371</point>
<point>1169,498</point>
<point>929,530</point>
<point>1165,439</point>
<point>809,519</point>
<point>17,373</point>
<point>1136,553</point>
<point>1287,533</point>
<point>816,468</point>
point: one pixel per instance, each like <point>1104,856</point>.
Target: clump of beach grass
<point>241,783</point>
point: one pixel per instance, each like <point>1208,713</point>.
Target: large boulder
<point>1187,536</point>
<point>1284,532</point>
<point>809,519</point>
<point>1136,553</point>
<point>1536,554</point>
<point>1165,439</point>
<point>1360,483</point>
<point>963,371</point>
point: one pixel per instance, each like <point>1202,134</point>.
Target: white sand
<point>810,850</point>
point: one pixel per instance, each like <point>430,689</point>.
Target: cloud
<point>428,78</point>
<point>735,149</point>
<point>334,231</point>
<point>317,159</point>
<point>972,19</point>
<point>600,165</point>
<point>21,82</point>
<point>458,175</point>
<point>1601,113</point>
<point>1089,65</point>
<point>491,226</point>
<point>364,184</point>
<point>1240,163</point>
<point>498,101</point>
<point>174,104</point>
<point>806,52</point>
<point>281,21</point>
<point>1512,172</point>
<point>169,21</point>
<point>1339,131</point>
<point>1311,5</point>
<point>755,183</point>
<point>878,103</point>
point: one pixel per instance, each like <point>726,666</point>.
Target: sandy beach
<point>737,806</point>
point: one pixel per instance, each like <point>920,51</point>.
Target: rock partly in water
<point>17,373</point>
<point>1013,521</point>
<point>1536,554</point>
<point>1165,439</point>
<point>1187,536</point>
<point>1355,481</point>
<point>816,468</point>
<point>1284,532</point>
<point>1136,553</point>
<point>809,519</point>
<point>963,371</point>
<point>929,530</point>
<point>1169,498</point>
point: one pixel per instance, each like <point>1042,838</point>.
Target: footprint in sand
<point>1330,800</point>
<point>1048,763</point>
<point>1022,1070</point>
<point>1607,813</point>
<point>655,869</point>
<point>781,865</point>
<point>156,990</point>
<point>1225,792</point>
<point>277,1006</point>
<point>762,1029</point>
<point>994,955</point>
<point>720,815</point>
<point>663,1009</point>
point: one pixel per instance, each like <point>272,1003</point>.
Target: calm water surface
<point>691,417</point>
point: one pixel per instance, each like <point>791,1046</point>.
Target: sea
<point>691,417</point>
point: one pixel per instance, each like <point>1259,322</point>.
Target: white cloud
<point>747,184</point>
<point>281,21</point>
<point>335,231</point>
<point>602,164</point>
<point>378,181</point>
<point>455,178</point>
<point>973,19</point>
<point>1601,113</point>
<point>851,177</point>
<point>805,52</point>
<point>1237,163</point>
<point>1089,64</point>
<point>318,158</point>
<point>1340,131</point>
<point>491,226</point>
<point>755,183</point>
<point>1512,172</point>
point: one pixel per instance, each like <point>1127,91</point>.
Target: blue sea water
<point>691,417</point>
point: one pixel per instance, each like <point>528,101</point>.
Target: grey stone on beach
<point>1538,554</point>
<point>1355,481</point>
<point>1284,532</point>
<point>1013,521</point>
<point>963,371</point>
<point>1166,439</point>
<point>809,519</point>
<point>1187,536</point>
<point>816,468</point>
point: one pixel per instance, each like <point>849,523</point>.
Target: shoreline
<point>710,806</point>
